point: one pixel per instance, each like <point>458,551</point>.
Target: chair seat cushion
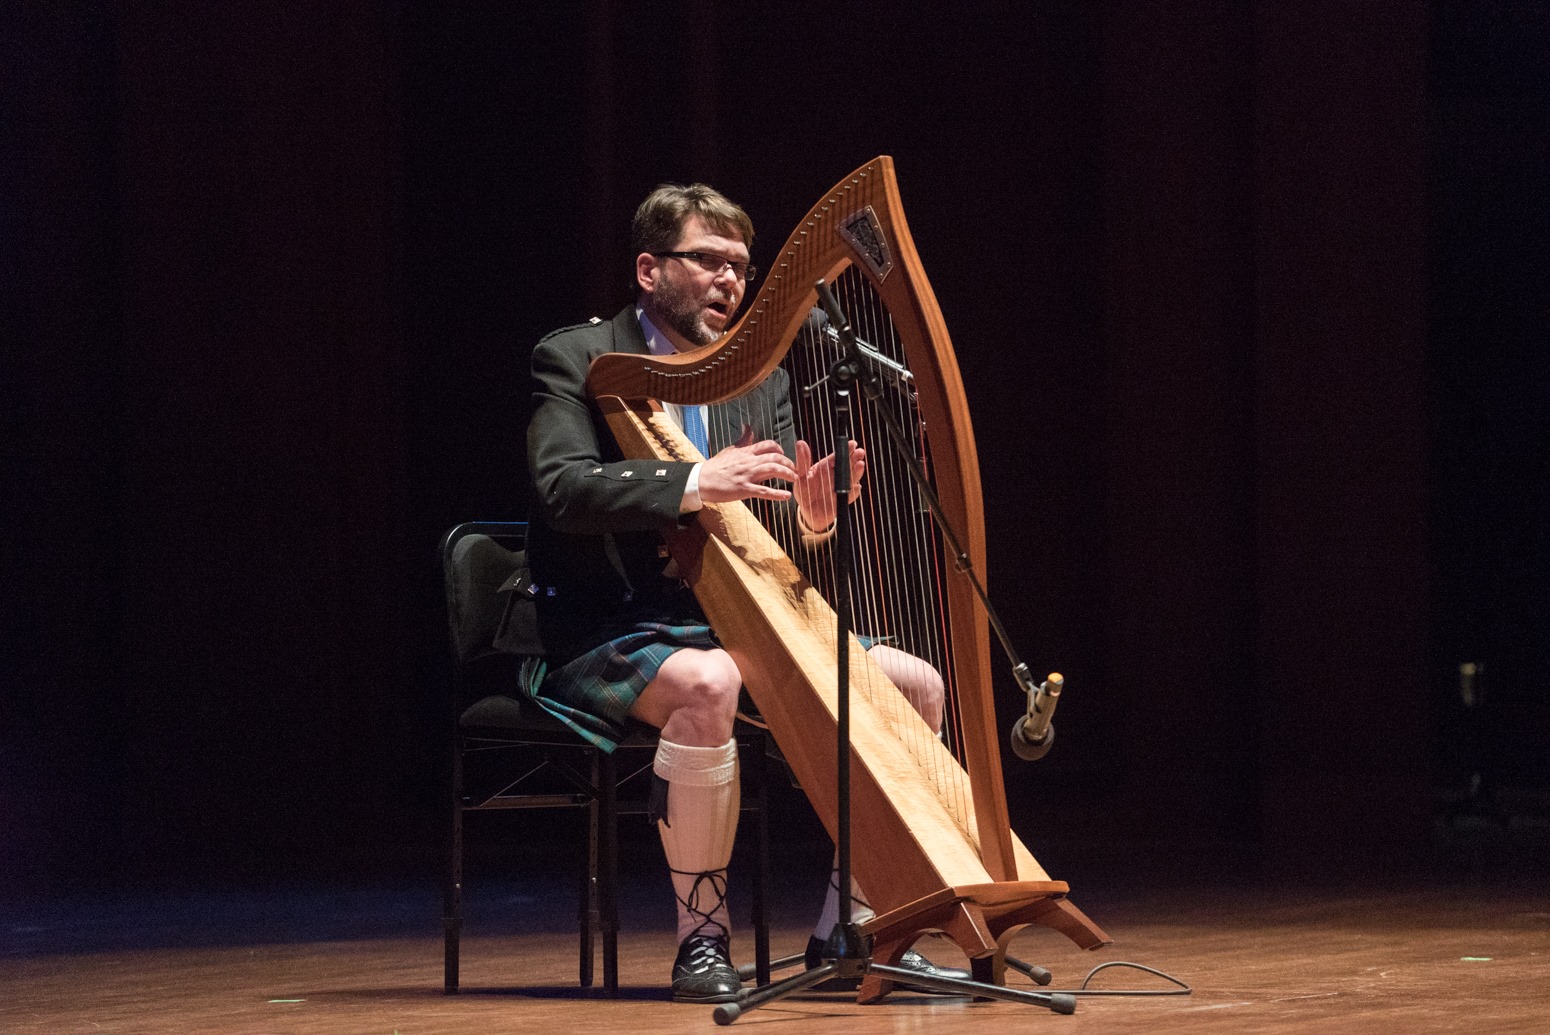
<point>523,718</point>
<point>513,713</point>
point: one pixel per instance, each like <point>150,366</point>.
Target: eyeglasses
<point>744,271</point>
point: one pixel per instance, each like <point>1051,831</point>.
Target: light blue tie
<point>694,427</point>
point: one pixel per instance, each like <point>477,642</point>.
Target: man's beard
<point>684,311</point>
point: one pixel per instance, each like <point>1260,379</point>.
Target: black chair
<point>508,753</point>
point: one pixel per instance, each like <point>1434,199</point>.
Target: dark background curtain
<point>1249,300</point>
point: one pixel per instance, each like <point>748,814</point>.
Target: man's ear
<point>646,271</point>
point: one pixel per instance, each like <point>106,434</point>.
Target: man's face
<point>690,304</point>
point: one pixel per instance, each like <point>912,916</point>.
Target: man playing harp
<point>624,637</point>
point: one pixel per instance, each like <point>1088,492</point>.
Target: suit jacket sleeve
<point>583,486</point>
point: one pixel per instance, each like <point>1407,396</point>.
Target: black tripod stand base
<point>1057,1002</point>
<point>726,1013</point>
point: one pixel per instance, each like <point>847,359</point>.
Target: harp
<point>932,846</point>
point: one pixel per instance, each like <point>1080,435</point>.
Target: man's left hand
<point>814,485</point>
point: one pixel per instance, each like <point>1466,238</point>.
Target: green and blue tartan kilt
<point>594,691</point>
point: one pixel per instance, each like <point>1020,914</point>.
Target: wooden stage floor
<point>1422,957</point>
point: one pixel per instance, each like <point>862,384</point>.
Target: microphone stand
<point>848,952</point>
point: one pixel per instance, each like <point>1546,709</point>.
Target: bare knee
<point>693,699</point>
<point>917,679</point>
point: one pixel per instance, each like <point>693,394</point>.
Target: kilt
<point>594,691</point>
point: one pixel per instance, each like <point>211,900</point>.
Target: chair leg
<point>452,888</point>
<point>608,889</point>
<point>587,911</point>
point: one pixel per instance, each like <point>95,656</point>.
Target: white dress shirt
<point>661,345</point>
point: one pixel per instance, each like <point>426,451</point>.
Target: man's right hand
<point>739,472</point>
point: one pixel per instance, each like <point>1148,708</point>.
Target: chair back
<point>478,559</point>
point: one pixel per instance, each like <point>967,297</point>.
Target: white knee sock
<point>702,808</point>
<point>860,910</point>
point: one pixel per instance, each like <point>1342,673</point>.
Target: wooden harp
<point>932,846</point>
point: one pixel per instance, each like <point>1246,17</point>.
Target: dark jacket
<point>595,537</point>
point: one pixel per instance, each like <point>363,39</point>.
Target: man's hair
<point>660,220</point>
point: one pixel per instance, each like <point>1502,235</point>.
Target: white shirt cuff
<point>691,501</point>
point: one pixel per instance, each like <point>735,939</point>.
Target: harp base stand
<point>848,953</point>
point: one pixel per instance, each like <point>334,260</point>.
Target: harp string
<point>896,583</point>
<point>904,538</point>
<point>883,531</point>
<point>898,591</point>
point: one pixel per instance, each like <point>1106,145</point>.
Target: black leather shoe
<point>703,971</point>
<point>911,960</point>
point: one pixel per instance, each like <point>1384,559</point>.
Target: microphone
<point>832,326</point>
<point>1033,734</point>
<point>896,371</point>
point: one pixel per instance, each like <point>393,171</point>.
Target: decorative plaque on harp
<point>865,234</point>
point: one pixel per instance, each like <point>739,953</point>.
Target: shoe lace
<point>708,927</point>
<point>705,953</point>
